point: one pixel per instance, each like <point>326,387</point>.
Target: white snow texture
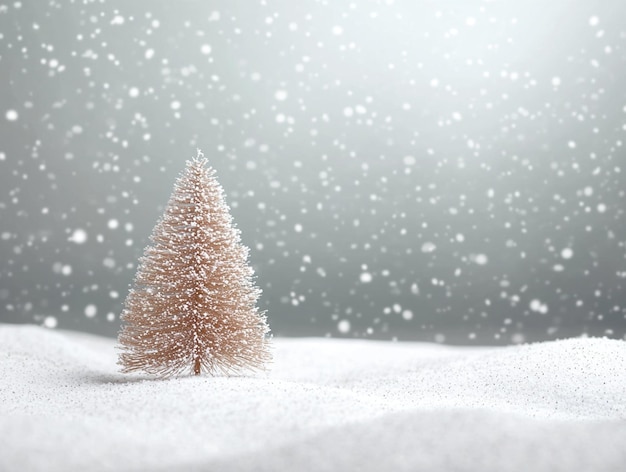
<point>326,405</point>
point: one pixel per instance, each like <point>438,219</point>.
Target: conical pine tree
<point>193,304</point>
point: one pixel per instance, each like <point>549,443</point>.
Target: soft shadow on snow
<point>109,379</point>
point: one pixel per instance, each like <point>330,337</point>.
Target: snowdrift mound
<point>325,405</point>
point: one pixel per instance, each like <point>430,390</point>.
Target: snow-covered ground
<point>326,404</point>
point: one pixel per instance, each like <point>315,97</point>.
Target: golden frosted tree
<point>193,307</point>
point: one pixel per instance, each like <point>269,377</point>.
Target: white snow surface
<point>325,405</point>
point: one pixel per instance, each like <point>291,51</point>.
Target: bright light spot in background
<point>537,306</point>
<point>50,322</point>
<point>205,49</point>
<point>343,326</point>
<point>365,277</point>
<point>567,253</point>
<point>11,115</point>
<point>91,310</point>
<point>280,95</point>
<point>63,269</point>
<point>79,236</point>
<point>337,30</point>
<point>409,160</point>
<point>594,20</point>
<point>428,247</point>
<point>133,92</point>
<point>480,259</point>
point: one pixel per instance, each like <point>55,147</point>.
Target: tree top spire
<point>199,155</point>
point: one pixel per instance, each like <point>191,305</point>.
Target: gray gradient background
<point>450,150</point>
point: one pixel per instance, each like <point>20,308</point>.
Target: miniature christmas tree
<point>193,304</point>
